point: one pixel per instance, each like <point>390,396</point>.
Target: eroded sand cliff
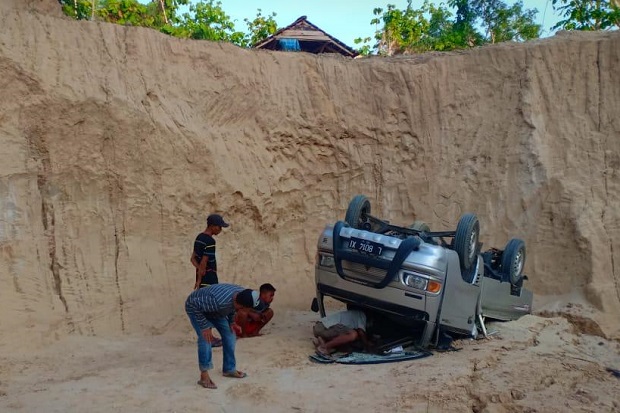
<point>118,141</point>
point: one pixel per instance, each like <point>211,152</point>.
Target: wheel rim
<point>364,214</point>
<point>471,249</point>
<point>517,264</point>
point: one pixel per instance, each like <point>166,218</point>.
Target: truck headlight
<point>420,282</point>
<point>415,281</point>
<point>326,260</point>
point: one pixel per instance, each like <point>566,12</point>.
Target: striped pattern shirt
<point>215,301</point>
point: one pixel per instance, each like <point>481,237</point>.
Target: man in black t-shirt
<point>203,256</point>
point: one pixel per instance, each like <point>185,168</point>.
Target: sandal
<point>322,351</point>
<point>235,374</point>
<point>217,342</point>
<point>207,384</point>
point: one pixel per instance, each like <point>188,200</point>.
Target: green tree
<point>165,13</point>
<point>401,29</point>
<point>260,28</point>
<point>208,21</point>
<point>435,27</point>
<point>127,12</point>
<point>442,34</point>
<point>78,9</point>
<point>156,13</point>
<point>503,23</point>
<point>464,31</point>
<point>587,14</point>
<point>206,18</point>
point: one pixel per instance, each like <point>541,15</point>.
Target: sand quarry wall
<point>118,141</point>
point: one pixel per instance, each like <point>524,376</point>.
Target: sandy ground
<point>532,365</point>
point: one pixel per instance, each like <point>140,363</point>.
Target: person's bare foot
<point>235,374</point>
<point>206,382</point>
<point>323,351</point>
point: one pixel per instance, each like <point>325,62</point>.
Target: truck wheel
<point>513,260</point>
<point>359,207</point>
<point>420,226</point>
<point>466,240</point>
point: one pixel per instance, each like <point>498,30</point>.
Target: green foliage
<point>365,48</point>
<point>78,9</point>
<point>260,28</point>
<point>206,19</point>
<point>127,12</point>
<point>587,14</point>
<point>438,28</point>
<point>504,23</point>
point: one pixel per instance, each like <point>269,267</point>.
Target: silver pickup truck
<point>420,281</point>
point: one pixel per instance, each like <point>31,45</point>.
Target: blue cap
<point>216,219</point>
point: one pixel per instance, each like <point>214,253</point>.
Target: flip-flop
<point>217,342</point>
<point>323,352</point>
<point>235,374</point>
<point>207,384</point>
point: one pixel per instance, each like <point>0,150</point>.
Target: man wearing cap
<point>215,307</point>
<point>203,256</point>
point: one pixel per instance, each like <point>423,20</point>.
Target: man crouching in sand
<point>252,320</point>
<point>215,307</point>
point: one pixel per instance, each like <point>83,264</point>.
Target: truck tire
<point>357,210</point>
<point>466,241</point>
<point>513,260</point>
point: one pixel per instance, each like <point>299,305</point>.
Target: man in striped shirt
<point>215,307</point>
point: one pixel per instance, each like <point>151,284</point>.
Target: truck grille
<point>362,272</point>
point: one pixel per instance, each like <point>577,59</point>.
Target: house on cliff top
<point>303,36</point>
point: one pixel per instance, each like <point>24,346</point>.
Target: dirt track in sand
<point>532,365</point>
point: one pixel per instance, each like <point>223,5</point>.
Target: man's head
<point>215,223</point>
<point>267,291</point>
<point>247,299</point>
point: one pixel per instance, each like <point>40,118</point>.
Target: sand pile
<point>118,141</point>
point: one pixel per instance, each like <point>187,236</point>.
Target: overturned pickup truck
<point>420,283</point>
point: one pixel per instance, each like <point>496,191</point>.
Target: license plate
<point>365,246</point>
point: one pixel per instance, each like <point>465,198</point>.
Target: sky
<point>347,20</point>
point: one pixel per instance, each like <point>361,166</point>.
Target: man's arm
<point>195,264</point>
<point>255,315</point>
<point>202,267</point>
<point>193,260</point>
<point>234,327</point>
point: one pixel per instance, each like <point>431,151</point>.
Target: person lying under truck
<point>340,329</point>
